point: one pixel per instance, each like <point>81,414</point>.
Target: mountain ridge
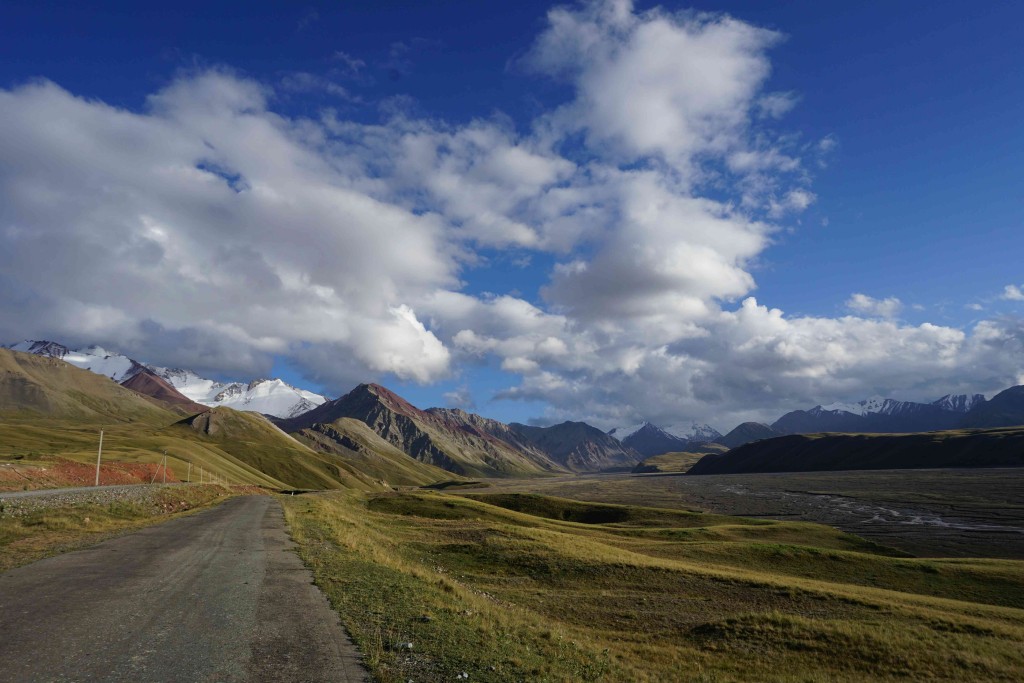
<point>268,396</point>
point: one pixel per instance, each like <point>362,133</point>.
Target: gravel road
<point>216,596</point>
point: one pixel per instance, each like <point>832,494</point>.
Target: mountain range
<point>461,442</point>
<point>885,416</point>
<point>465,444</point>
<point>268,396</point>
<point>648,439</point>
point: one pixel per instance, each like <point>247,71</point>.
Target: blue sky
<point>898,130</point>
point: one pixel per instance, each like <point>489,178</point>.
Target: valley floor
<point>510,587</point>
<point>928,513</point>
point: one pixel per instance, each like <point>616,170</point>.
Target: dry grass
<point>535,588</point>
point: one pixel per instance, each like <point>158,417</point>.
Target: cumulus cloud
<point>207,214</point>
<point>1012,293</point>
<point>881,308</point>
<point>210,230</point>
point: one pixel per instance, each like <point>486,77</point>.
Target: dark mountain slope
<point>650,440</point>
<point>1004,410</point>
<point>578,447</point>
<point>827,452</point>
<point>747,432</point>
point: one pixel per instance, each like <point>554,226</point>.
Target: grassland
<point>669,462</point>
<point>508,587</point>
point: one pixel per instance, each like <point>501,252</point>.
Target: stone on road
<point>216,596</point>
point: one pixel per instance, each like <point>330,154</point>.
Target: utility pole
<point>188,477</point>
<point>165,467</point>
<point>99,456</point>
<point>200,474</point>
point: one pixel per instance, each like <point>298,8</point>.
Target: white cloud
<point>211,215</point>
<point>654,84</point>
<point>882,308</point>
<point>210,228</point>
<point>1012,293</point>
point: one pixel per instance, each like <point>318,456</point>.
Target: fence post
<point>99,456</point>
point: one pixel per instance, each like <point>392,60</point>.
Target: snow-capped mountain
<point>697,433</point>
<point>95,358</point>
<point>959,403</point>
<point>623,433</point>
<point>648,439</point>
<point>880,415</point>
<point>270,396</point>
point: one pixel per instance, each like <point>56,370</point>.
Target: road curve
<point>216,596</point>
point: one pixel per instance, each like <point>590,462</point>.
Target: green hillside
<point>49,409</point>
<point>668,462</point>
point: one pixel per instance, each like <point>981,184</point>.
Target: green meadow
<point>514,587</point>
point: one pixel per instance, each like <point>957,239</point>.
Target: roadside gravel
<point>24,502</point>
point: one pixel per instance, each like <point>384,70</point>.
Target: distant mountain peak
<point>623,433</point>
<point>959,403</point>
<point>41,347</point>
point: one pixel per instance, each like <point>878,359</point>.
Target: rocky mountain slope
<point>467,444</point>
<point>354,441</point>
<point>150,384</point>
<point>578,447</point>
<point>442,439</point>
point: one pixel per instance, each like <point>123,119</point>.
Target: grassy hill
<point>512,588</point>
<point>50,409</point>
<point>668,462</point>
<point>1002,447</point>
<point>43,386</point>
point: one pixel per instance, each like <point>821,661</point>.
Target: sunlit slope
<point>51,408</point>
<point>48,387</point>
<point>354,441</point>
<point>444,439</point>
<point>668,462</point>
<point>252,439</point>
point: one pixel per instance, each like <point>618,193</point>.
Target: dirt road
<point>216,596</point>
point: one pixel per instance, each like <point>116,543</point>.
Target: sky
<point>603,211</point>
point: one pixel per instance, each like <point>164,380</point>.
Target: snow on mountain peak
<point>41,348</point>
<point>696,432</point>
<point>959,403</point>
<point>270,396</point>
<point>623,433</point>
